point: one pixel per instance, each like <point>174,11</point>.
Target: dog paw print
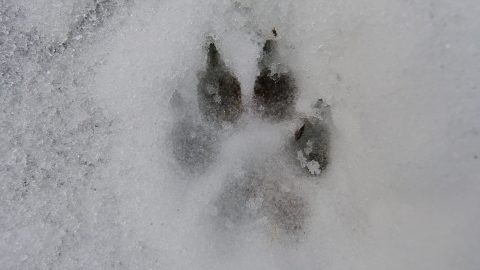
<point>255,195</point>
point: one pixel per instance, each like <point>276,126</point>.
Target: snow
<point>87,177</point>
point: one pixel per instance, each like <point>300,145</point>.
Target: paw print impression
<point>255,196</point>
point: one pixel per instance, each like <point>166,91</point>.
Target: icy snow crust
<point>88,180</point>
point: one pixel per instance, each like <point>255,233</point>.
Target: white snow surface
<point>87,180</point>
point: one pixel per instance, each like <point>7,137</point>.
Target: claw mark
<point>274,90</point>
<point>312,140</point>
<point>219,94</point>
<point>299,133</point>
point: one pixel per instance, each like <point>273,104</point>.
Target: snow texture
<point>89,177</point>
